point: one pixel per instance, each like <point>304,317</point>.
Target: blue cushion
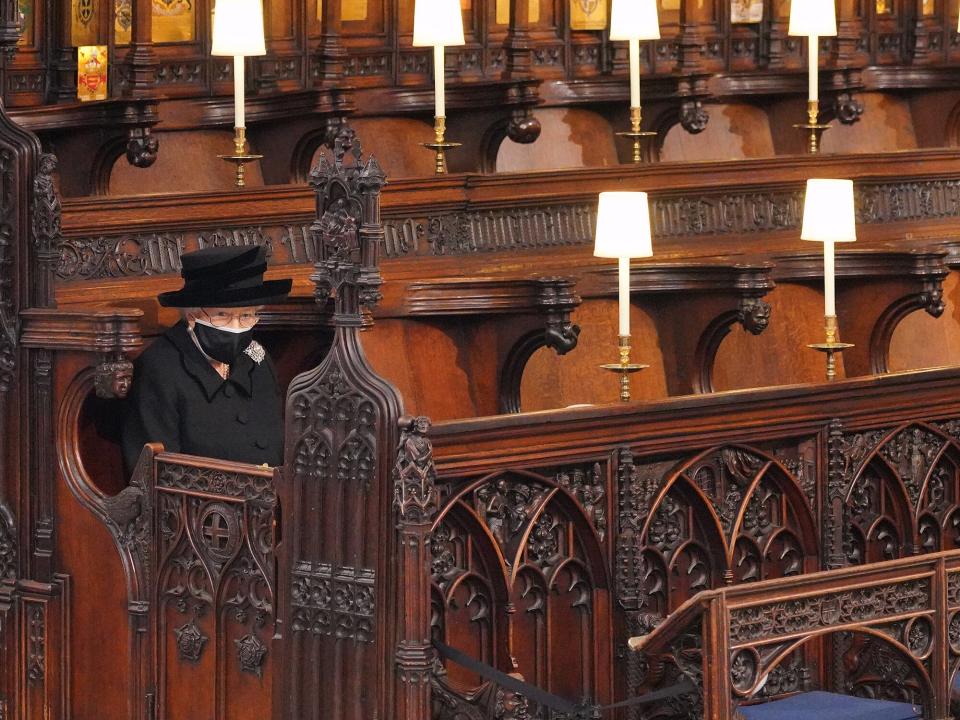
<point>830,706</point>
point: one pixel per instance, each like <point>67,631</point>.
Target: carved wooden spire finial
<point>347,230</point>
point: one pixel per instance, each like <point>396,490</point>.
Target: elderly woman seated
<point>206,387</point>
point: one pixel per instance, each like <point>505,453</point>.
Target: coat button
<point>262,444</point>
<point>227,391</point>
<point>242,418</point>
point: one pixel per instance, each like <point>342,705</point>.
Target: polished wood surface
<point>534,536</point>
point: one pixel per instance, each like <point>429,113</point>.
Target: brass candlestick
<point>816,129</point>
<point>625,368</point>
<point>240,155</point>
<point>636,134</point>
<point>831,347</point>
<point>440,145</point>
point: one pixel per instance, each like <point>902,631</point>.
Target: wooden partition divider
<point>561,534</point>
<point>536,542</point>
<point>899,619</point>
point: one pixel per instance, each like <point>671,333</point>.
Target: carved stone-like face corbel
<point>693,117</point>
<point>933,297</point>
<point>557,299</point>
<point>113,379</point>
<point>142,148</point>
<point>754,315</point>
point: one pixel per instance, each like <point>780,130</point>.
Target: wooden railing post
<point>415,502</point>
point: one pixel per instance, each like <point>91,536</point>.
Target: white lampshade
<point>623,226</point>
<point>238,28</point>
<point>437,22</point>
<point>828,211</point>
<point>634,20</point>
<point>813,17</point>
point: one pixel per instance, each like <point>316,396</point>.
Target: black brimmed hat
<point>225,277</point>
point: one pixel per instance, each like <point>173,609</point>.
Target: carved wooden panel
<point>215,587</point>
<point>876,630</point>
<point>731,514</point>
<point>901,490</point>
<point>551,225</point>
<point>517,555</point>
<point>341,437</point>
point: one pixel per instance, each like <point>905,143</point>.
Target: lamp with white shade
<point>437,24</point>
<point>813,19</point>
<point>623,232</point>
<point>829,216</point>
<point>633,21</point>
<point>238,33</point>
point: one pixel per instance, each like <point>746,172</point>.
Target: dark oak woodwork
<point>346,57</point>
<point>700,494</point>
<point>537,542</point>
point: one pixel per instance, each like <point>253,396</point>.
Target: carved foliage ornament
<point>47,208</point>
<point>8,546</point>
<point>334,601</point>
<point>237,485</point>
<point>414,492</point>
<point>508,229</point>
<point>861,605</point>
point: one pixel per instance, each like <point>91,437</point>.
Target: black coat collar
<point>200,369</point>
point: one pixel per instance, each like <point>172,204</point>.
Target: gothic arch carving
<point>734,506</point>
<point>124,515</point>
<point>929,300</point>
<point>536,533</point>
<point>880,657</point>
<point>907,485</point>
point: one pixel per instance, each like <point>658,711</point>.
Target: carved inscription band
<point>506,229</point>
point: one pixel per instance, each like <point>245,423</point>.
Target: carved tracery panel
<point>731,514</point>
<point>214,592</point>
<point>519,576</point>
<point>900,488</point>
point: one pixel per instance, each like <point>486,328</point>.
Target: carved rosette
<point>190,642</point>
<point>251,653</point>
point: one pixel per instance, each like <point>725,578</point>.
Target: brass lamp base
<point>815,128</point>
<point>240,156</point>
<point>816,131</point>
<point>624,368</point>
<point>636,134</point>
<point>440,145</point>
<point>831,347</point>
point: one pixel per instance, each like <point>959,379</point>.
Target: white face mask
<point>208,324</point>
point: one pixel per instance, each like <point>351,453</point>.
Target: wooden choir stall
<point>458,470</point>
<point>755,543</point>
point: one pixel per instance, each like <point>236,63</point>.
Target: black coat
<point>178,399</point>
